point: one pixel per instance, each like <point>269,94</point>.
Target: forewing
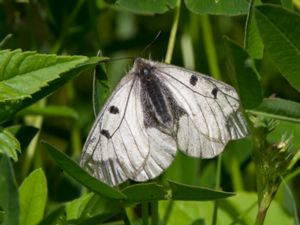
<point>119,146</point>
<point>212,111</point>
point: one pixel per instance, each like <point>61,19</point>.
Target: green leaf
<point>218,7</point>
<point>194,193</point>
<point>91,209</point>
<point>146,6</point>
<point>57,111</point>
<point>144,192</point>
<point>75,171</point>
<point>254,44</point>
<point>9,144</point>
<point>18,68</point>
<point>9,196</point>
<point>280,32</point>
<point>280,109</point>
<point>42,74</point>
<point>242,68</point>
<point>33,197</point>
<point>74,209</point>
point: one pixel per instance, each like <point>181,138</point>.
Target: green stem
<point>211,55</point>
<point>145,213</point>
<point>235,171</point>
<point>154,213</point>
<point>210,49</point>
<point>172,38</point>
<point>168,212</point>
<point>37,122</point>
<point>125,217</point>
<point>263,208</point>
<point>218,184</point>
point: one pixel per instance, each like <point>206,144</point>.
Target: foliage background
<point>123,30</point>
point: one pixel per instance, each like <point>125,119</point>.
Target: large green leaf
<point>279,109</point>
<point>26,77</point>
<point>195,193</point>
<point>9,197</point>
<point>144,192</point>
<point>75,171</point>
<point>9,144</point>
<point>24,73</point>
<point>218,7</point>
<point>280,32</point>
<point>242,68</point>
<point>146,6</point>
<point>33,196</point>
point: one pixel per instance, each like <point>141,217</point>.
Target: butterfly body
<point>156,109</point>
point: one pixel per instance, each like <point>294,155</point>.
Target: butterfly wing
<point>119,146</point>
<point>212,111</point>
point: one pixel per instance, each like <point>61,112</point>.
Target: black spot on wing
<point>193,80</point>
<point>113,109</point>
<point>105,133</point>
<point>214,92</point>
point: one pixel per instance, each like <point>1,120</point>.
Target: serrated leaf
<point>24,73</point>
<point>146,6</point>
<point>280,32</point>
<point>33,196</point>
<point>42,74</point>
<point>195,193</point>
<point>242,68</point>
<point>278,108</point>
<point>218,7</point>
<point>9,144</point>
<point>75,171</point>
<point>9,196</point>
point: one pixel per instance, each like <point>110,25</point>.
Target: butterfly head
<point>143,68</point>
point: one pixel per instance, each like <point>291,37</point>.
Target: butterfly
<point>156,109</point>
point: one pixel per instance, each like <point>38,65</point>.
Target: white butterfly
<point>156,109</point>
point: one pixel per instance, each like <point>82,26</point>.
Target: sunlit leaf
<point>9,144</point>
<point>33,196</point>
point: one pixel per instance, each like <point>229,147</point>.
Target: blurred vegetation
<point>122,29</point>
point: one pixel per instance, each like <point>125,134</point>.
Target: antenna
<point>151,43</point>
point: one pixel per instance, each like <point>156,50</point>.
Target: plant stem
<point>37,122</point>
<point>145,213</point>
<point>210,49</point>
<point>218,183</point>
<point>214,70</point>
<point>125,217</point>
<point>154,213</point>
<point>172,37</point>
